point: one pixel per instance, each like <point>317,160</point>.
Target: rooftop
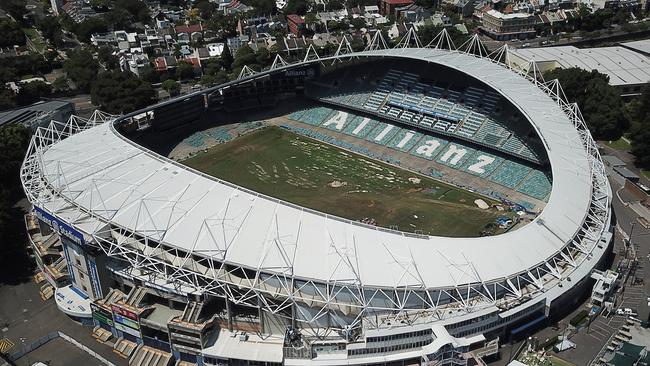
<point>622,65</point>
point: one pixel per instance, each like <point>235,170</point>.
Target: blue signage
<point>94,277</point>
<point>59,226</point>
<point>69,262</point>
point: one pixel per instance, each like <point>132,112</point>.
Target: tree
<point>118,18</point>
<point>211,66</point>
<point>12,34</point>
<point>223,26</point>
<point>263,58</point>
<point>299,7</point>
<point>106,56</point>
<point>7,98</point>
<point>171,87</point>
<point>137,8</point>
<point>244,56</point>
<point>429,32</point>
<point>226,58</point>
<point>640,136</point>
<point>32,92</point>
<point>81,68</point>
<point>15,263</point>
<point>60,84</point>
<point>335,5</point>
<point>88,26</point>
<point>641,143</point>
<point>206,8</point>
<point>600,103</point>
<point>184,70</point>
<point>16,8</point>
<point>121,92</point>
<point>262,7</point>
<point>358,23</point>
<point>51,30</point>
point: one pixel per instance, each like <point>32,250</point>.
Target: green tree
<point>60,84</point>
<point>335,5</point>
<point>640,139</point>
<point>89,26</point>
<point>7,98</point>
<point>138,9</point>
<point>299,7</point>
<point>640,132</point>
<point>184,70</point>
<point>16,8</point>
<point>81,68</point>
<point>15,264</point>
<point>263,57</point>
<point>106,56</point>
<point>262,7</point>
<point>600,103</point>
<point>118,18</point>
<point>32,92</point>
<point>358,23</point>
<point>244,56</point>
<point>226,58</point>
<point>51,29</point>
<point>121,92</point>
<point>171,87</point>
<point>12,34</point>
<point>206,8</point>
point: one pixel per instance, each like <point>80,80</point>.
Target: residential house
<point>189,33</point>
<point>296,24</point>
<point>388,6</point>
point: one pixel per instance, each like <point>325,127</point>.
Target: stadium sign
<point>102,315</point>
<point>94,277</point>
<point>126,321</point>
<point>59,226</point>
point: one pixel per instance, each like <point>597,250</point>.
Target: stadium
<point>407,205</point>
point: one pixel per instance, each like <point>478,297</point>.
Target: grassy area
<point>556,361</point>
<point>619,144</point>
<point>297,169</point>
<point>646,173</point>
<point>36,38</point>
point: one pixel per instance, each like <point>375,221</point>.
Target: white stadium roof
<point>623,66</point>
<point>121,182</point>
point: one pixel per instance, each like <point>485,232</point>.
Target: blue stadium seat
<point>404,140</point>
<point>536,185</point>
<point>455,154</point>
<point>480,165</point>
<point>427,150</point>
<point>355,128</point>
<point>315,116</point>
<point>382,133</point>
<point>509,174</point>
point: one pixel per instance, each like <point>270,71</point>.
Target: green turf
<point>36,38</point>
<point>619,144</point>
<point>297,169</point>
<point>646,173</point>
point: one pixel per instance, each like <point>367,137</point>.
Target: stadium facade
<point>172,262</point>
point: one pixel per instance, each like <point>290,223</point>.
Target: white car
<point>626,311</point>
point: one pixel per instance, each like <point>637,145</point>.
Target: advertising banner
<point>59,226</point>
<point>102,315</point>
<point>126,320</point>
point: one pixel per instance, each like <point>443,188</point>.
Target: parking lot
<point>23,315</point>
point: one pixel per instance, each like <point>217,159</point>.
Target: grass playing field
<point>312,174</point>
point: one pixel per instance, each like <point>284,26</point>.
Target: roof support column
<point>229,313</point>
